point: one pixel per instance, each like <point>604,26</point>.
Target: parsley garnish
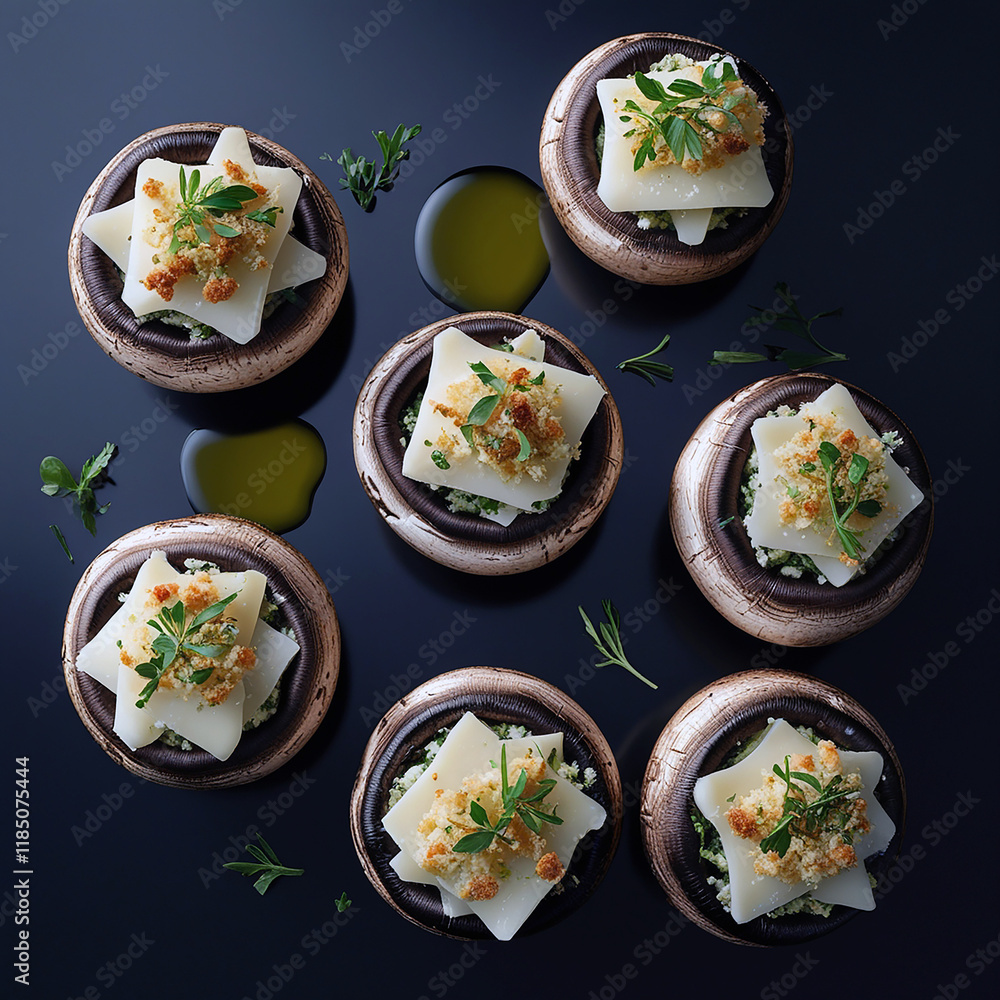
<point>829,455</point>
<point>515,803</point>
<point>796,323</point>
<point>679,118</point>
<point>647,369</point>
<point>362,178</point>
<point>172,638</point>
<point>609,642</point>
<point>799,816</point>
<point>58,481</point>
<point>212,199</point>
<point>269,868</point>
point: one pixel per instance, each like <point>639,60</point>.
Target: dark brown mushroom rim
<point>584,118</point>
<point>104,286</point>
<point>422,902</point>
<point>909,548</point>
<point>681,838</point>
<point>410,377</point>
<point>298,682</point>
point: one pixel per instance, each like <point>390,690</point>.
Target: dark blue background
<point>880,97</point>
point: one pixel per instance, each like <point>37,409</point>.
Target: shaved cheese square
<point>469,748</point>
<point>740,183</point>
<point>754,895</point>
<point>453,353</point>
<point>820,543</point>
<point>216,728</point>
<point>120,233</point>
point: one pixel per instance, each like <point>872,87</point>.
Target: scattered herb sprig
<point>268,867</point>
<point>173,637</point>
<point>798,816</point>
<point>363,178</point>
<point>646,369</point>
<point>609,641</point>
<point>58,481</point>
<point>679,116</point>
<point>830,457</point>
<point>515,803</point>
<point>212,199</point>
<point>797,323</point>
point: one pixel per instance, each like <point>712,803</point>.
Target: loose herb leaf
<point>62,541</point>
<point>268,869</point>
<point>343,903</point>
<point>363,178</point>
<point>609,642</point>
<point>796,323</point>
<point>525,445</point>
<point>482,411</point>
<point>58,481</point>
<point>649,370</point>
<point>487,377</point>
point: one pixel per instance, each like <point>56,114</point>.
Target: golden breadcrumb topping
<point>822,852</point>
<point>227,670</point>
<point>534,410</point>
<point>479,875</point>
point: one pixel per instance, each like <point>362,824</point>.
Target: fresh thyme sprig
<point>798,816</point>
<point>363,178</point>
<point>830,457</point>
<point>648,369</point>
<point>58,481</point>
<point>515,803</point>
<point>609,642</point>
<point>268,867</point>
<point>679,116</point>
<point>212,199</point>
<point>173,637</point>
<point>796,323</point>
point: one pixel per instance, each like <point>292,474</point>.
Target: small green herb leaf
<point>525,445</point>
<point>482,411</point>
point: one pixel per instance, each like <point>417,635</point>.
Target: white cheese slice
<point>741,183</point>
<point>821,544</point>
<point>112,232</point>
<point>452,354</point>
<point>754,895</point>
<point>119,233</point>
<point>215,728</point>
<point>691,224</point>
<point>274,652</point>
<point>468,749</point>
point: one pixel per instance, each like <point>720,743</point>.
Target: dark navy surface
<point>892,216</point>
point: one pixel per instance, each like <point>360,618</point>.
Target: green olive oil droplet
<point>478,243</point>
<point>267,476</point>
